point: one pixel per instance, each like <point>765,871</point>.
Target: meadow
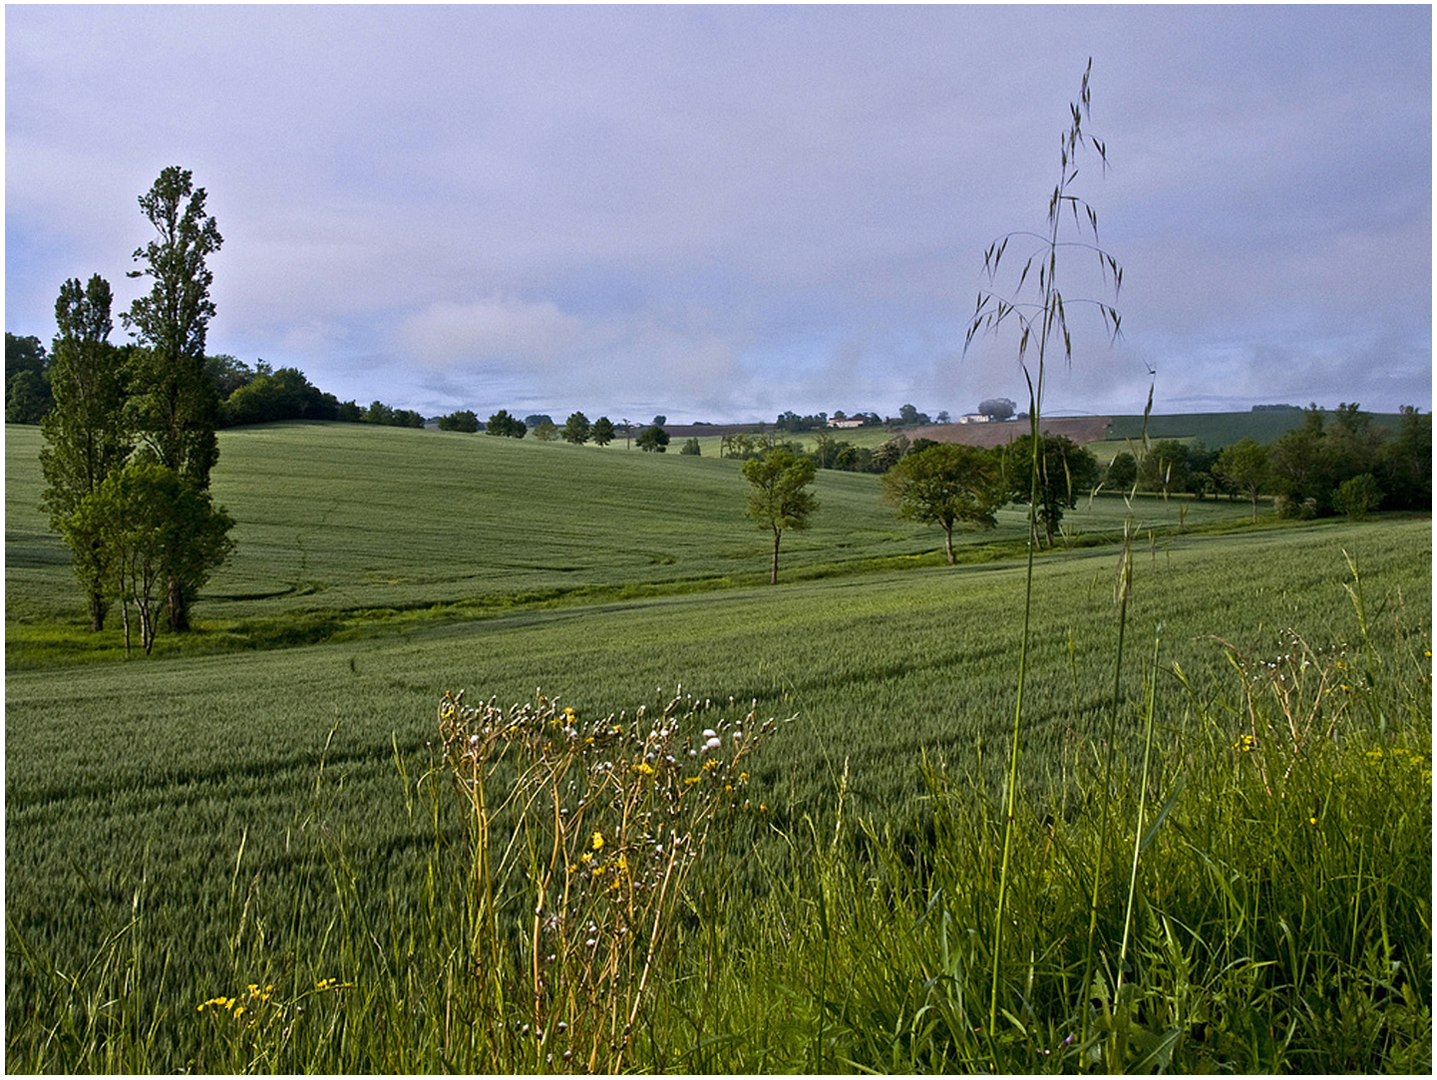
<point>263,804</point>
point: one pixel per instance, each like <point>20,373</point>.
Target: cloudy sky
<point>722,213</point>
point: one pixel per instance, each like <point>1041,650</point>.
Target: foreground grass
<point>1249,917</point>
<point>180,829</point>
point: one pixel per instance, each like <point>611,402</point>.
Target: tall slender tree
<point>86,438</point>
<point>177,405</point>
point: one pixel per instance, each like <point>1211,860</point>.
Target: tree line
<point>1346,466</point>
<point>1338,463</point>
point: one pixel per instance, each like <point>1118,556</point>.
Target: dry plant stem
<point>1040,331</point>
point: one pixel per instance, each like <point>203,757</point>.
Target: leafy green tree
<point>653,438</point>
<point>1301,473</point>
<point>459,420</point>
<point>889,454</point>
<point>1244,465</point>
<point>349,412</point>
<point>230,373</point>
<point>1064,471</point>
<point>86,437</point>
<point>947,484</point>
<point>1164,468</point>
<point>27,388</point>
<point>501,423</point>
<point>154,524</point>
<point>1357,496</point>
<point>691,447</point>
<point>1122,473</point>
<point>577,429</point>
<point>23,354</point>
<point>779,498</point>
<point>27,398</point>
<point>379,413</point>
<point>1405,463</point>
<point>177,403</point>
<point>603,431</point>
<point>278,395</point>
<point>997,408</point>
<point>545,430</point>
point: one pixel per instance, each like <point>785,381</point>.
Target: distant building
<point>850,422</point>
<point>975,418</point>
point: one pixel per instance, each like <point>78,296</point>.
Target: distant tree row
<point>945,484</point>
<point>246,395</point>
<point>1337,464</point>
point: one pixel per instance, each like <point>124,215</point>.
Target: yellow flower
<point>598,841</point>
<point>645,768</point>
<point>691,780</point>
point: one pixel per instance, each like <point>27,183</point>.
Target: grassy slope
<point>338,519</point>
<point>163,769</point>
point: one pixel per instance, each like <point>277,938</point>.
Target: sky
<point>721,214</point>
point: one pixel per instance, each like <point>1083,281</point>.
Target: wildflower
<point>713,743</point>
<point>691,780</point>
<point>598,841</point>
<point>645,768</point>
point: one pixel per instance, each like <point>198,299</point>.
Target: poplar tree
<point>176,403</point>
<point>86,438</point>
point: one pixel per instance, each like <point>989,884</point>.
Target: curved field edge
<point>347,531</point>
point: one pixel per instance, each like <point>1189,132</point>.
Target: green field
<point>198,783</point>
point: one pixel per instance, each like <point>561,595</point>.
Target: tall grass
<point>1264,925</point>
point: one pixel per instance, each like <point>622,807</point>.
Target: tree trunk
<point>179,608</point>
<point>773,577</point>
<point>948,539</point>
<point>98,607</point>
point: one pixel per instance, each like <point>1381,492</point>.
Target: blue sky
<point>722,213</point>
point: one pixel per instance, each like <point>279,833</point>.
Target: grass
<point>421,526</point>
<point>182,828</point>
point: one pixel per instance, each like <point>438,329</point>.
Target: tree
<point>577,429</point>
<point>230,373</point>
<point>1405,465</point>
<point>278,395</point>
<point>997,408</point>
<point>1064,469</point>
<point>691,447</point>
<point>948,483</point>
<point>1122,471</point>
<point>154,525</point>
<point>653,438</point>
<point>1164,467</point>
<point>1358,496</point>
<point>178,404</point>
<point>459,420</point>
<point>86,437</point>
<point>545,430</point>
<point>1300,472</point>
<point>603,431</point>
<point>660,420</point>
<point>1244,465</point>
<point>779,498</point>
<point>533,420</point>
<point>27,391</point>
<point>501,423</point>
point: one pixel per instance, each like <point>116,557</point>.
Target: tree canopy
<point>946,484</point>
<point>779,498</point>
